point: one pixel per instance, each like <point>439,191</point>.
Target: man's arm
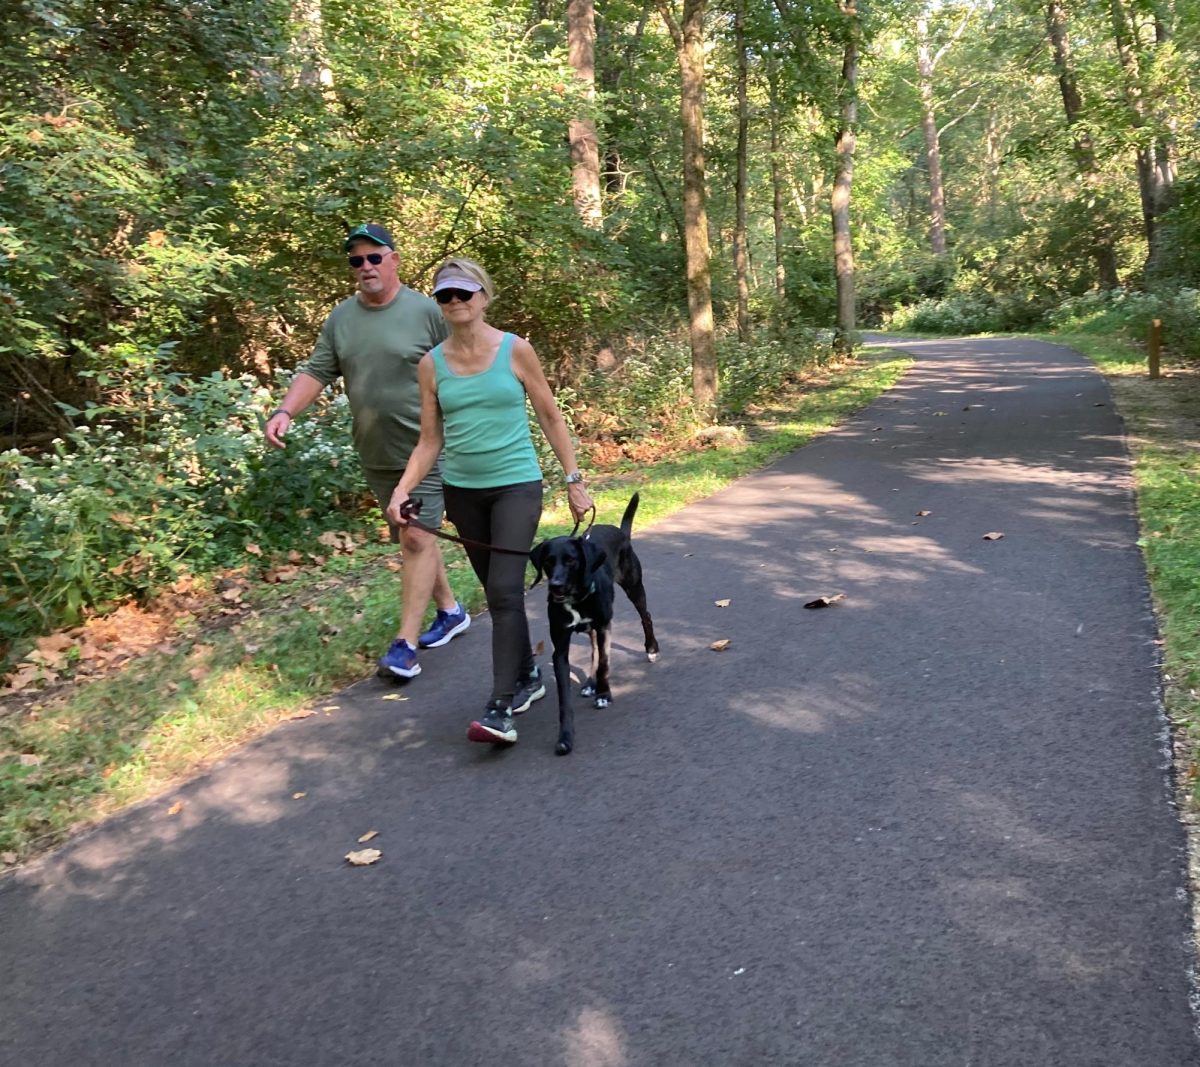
<point>302,392</point>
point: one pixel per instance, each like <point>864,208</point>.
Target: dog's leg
<point>637,597</point>
<point>562,679</point>
<point>603,639</point>
<point>588,689</point>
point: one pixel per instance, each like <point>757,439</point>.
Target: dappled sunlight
<point>594,1040</point>
<point>811,709</point>
<point>950,470</point>
<point>1008,914</point>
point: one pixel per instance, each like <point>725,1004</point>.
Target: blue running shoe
<point>399,661</point>
<point>446,624</point>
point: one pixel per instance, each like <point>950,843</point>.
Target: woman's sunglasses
<point>374,258</point>
<point>444,296</point>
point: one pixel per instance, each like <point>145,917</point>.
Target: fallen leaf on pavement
<point>922,514</point>
<point>721,603</point>
<point>307,713</point>
<point>995,535</point>
<point>363,857</point>
<point>297,796</point>
<point>825,601</point>
<point>175,808</point>
<point>367,836</point>
<point>721,645</point>
<point>393,696</point>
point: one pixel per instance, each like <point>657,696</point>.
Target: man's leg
<point>423,568</point>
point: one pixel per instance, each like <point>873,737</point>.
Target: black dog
<point>580,573</point>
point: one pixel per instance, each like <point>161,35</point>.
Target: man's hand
<point>276,429</point>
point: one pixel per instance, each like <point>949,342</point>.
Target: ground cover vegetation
<point>687,207</point>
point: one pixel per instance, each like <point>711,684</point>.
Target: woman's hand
<point>579,501</point>
<point>399,499</point>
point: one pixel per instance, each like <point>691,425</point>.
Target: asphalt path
<point>928,825</point>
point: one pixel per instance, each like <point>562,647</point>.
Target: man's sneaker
<point>496,726</point>
<point>529,689</point>
<point>446,624</point>
<point>399,661</point>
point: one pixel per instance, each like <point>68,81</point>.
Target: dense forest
<point>700,195</point>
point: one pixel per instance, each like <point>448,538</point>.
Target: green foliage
<point>184,485</point>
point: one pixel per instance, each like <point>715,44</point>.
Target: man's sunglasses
<point>444,296</point>
<point>374,258</point>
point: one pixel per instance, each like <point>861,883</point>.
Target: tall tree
<point>843,181</point>
<point>585,148</point>
<point>740,255</point>
<point>688,36</point>
<point>1058,33</point>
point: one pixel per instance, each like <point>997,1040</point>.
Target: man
<point>374,341</point>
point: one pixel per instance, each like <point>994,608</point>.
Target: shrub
<point>177,477</point>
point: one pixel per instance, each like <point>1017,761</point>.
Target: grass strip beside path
<point>115,741</point>
<point>1162,425</point>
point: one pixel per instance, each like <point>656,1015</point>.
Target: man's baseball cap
<point>457,281</point>
<point>370,231</point>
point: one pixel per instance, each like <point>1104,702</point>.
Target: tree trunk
<point>585,148</point>
<point>777,184</point>
<point>1085,155</point>
<point>688,36</point>
<point>309,44</point>
<point>843,251</point>
<point>740,267</point>
<point>1148,174</point>
<point>933,152</point>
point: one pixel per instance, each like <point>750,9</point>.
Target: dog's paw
<point>588,689</point>
<point>563,748</point>
<point>602,702</point>
<point>651,656</point>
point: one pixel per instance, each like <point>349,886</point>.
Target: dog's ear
<point>537,556</point>
<point>593,559</point>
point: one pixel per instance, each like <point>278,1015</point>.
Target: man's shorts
<point>429,491</point>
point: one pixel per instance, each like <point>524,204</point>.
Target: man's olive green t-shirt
<point>376,351</point>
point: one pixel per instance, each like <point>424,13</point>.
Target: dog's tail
<point>630,511</point>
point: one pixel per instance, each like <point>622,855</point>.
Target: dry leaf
<point>306,713</point>
<point>30,760</point>
<point>393,696</point>
<point>294,557</point>
<point>541,647</point>
<point>825,601</point>
<point>367,836</point>
<point>297,796</point>
<point>275,575</point>
<point>922,514</point>
<point>231,596</point>
<point>995,535</point>
<point>175,808</point>
<point>363,857</point>
<point>8,858</point>
<point>721,603</point>
<point>253,549</point>
<point>721,645</point>
<point>331,707</point>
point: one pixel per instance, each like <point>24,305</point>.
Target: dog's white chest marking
<point>577,620</point>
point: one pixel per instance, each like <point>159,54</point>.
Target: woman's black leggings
<point>507,517</point>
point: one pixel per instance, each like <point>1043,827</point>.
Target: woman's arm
<point>528,369</point>
<point>429,446</point>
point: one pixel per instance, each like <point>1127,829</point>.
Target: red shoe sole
<point>478,732</point>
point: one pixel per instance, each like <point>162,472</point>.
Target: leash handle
<point>411,508</point>
<point>591,523</point>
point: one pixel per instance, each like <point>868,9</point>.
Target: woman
<point>473,390</point>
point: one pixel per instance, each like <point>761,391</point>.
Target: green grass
<point>127,737</point>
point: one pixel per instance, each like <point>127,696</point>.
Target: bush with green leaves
<point>955,314</point>
<point>172,476</point>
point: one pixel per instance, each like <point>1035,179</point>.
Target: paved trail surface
<point>928,826</point>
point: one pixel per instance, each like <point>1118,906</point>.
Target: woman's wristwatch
<point>574,478</point>
<point>280,411</point>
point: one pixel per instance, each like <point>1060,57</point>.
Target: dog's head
<point>569,565</point>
